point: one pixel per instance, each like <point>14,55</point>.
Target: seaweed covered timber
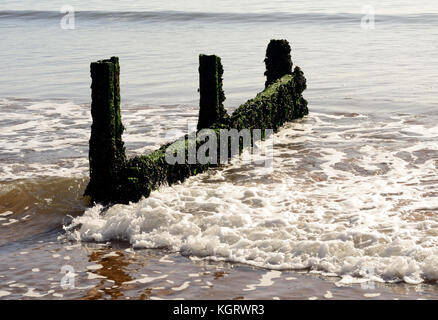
<point>116,179</point>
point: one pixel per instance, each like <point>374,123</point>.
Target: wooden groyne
<point>116,179</point>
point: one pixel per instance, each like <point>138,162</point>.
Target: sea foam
<point>353,207</point>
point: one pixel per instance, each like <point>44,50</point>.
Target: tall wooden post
<point>278,61</point>
<point>211,109</point>
<point>107,153</point>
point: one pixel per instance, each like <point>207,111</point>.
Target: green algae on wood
<point>278,103</point>
<point>124,180</point>
<point>278,61</point>
<point>146,173</point>
<point>211,108</point>
<point>107,153</point>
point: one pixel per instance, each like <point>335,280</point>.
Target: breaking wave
<point>223,17</point>
<point>349,195</point>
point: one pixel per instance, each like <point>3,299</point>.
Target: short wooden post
<point>278,61</point>
<point>211,109</point>
<point>107,153</point>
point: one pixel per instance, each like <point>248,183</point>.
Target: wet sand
<point>116,271</point>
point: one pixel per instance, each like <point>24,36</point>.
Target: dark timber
<point>211,108</point>
<point>115,179</point>
<point>278,61</point>
<point>107,153</point>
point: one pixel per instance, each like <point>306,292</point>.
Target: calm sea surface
<point>349,209</point>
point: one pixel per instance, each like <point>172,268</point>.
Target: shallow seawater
<point>348,209</point>
<point>115,271</point>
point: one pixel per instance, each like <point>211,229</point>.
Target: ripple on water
<point>335,205</point>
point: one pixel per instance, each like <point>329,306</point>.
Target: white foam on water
<point>146,279</point>
<point>4,293</point>
<point>165,260</point>
<point>371,295</point>
<point>111,254</point>
<point>11,221</point>
<point>194,275</point>
<point>92,276</point>
<point>33,294</point>
<point>265,281</point>
<point>182,287</point>
<point>354,197</point>
<point>95,267</point>
<point>50,138</point>
<point>85,287</point>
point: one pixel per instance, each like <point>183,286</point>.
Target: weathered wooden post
<point>278,61</point>
<point>211,109</point>
<point>107,153</point>
<point>116,179</point>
